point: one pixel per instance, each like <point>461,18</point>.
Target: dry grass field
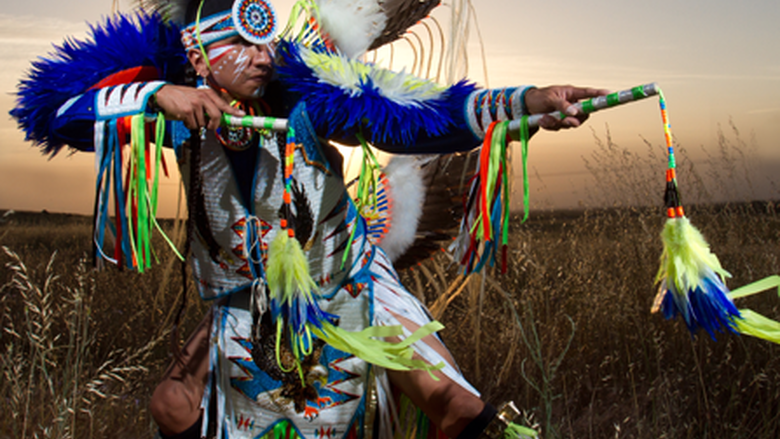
<point>567,333</point>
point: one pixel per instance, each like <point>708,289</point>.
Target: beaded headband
<point>253,20</point>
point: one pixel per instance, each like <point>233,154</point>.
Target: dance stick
<point>594,104</point>
<point>257,122</point>
<point>588,106</point>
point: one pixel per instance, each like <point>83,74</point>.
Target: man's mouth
<point>260,78</point>
<point>262,74</point>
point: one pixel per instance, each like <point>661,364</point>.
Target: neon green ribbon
<point>366,198</point>
<point>753,323</point>
<point>368,183</point>
<point>137,139</point>
<point>524,137</point>
<point>514,431</point>
<point>197,33</point>
<point>507,194</point>
<point>299,9</point>
<point>142,193</point>
<point>158,143</point>
<point>756,287</point>
<point>395,356</point>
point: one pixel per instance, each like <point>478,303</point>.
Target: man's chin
<point>259,92</point>
<point>254,94</point>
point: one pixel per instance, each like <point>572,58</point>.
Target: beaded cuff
<point>486,106</point>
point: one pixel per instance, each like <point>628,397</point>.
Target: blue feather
<point>335,111</point>
<point>121,43</point>
<point>707,306</point>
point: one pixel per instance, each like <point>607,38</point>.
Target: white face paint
<point>215,53</point>
<point>241,63</point>
<point>232,56</point>
<point>240,68</point>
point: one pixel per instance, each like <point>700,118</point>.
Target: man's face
<point>241,68</point>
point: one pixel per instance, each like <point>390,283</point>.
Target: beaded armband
<point>502,426</point>
<point>486,106</point>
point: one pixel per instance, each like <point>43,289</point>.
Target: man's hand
<point>196,107</point>
<point>559,98</point>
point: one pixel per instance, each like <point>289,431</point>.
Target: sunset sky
<point>717,62</point>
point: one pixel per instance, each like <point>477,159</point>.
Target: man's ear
<point>198,62</point>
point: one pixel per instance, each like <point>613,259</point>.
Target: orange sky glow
<point>716,62</point>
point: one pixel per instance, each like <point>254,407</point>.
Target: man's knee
<point>174,407</point>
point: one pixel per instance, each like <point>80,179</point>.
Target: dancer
<point>311,334</point>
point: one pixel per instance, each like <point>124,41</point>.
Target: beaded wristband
<point>494,105</point>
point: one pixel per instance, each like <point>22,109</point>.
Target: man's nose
<point>262,55</point>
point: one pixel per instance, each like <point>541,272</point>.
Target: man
<point>244,370</point>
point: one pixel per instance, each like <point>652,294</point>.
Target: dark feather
<point>401,15</point>
<point>303,218</point>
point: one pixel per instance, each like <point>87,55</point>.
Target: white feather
<point>352,24</point>
<point>408,192</point>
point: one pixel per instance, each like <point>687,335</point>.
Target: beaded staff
<point>588,106</point>
<point>594,104</point>
<point>257,122</point>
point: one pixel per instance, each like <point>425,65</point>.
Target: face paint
<point>216,53</point>
<point>240,68</point>
<point>241,63</point>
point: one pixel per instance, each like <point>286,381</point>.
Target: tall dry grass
<point>566,333</point>
<point>81,349</point>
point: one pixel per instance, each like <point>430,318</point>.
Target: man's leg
<point>446,403</point>
<point>175,404</point>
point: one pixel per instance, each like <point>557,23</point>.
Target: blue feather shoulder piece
<point>125,48</point>
<point>345,97</point>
